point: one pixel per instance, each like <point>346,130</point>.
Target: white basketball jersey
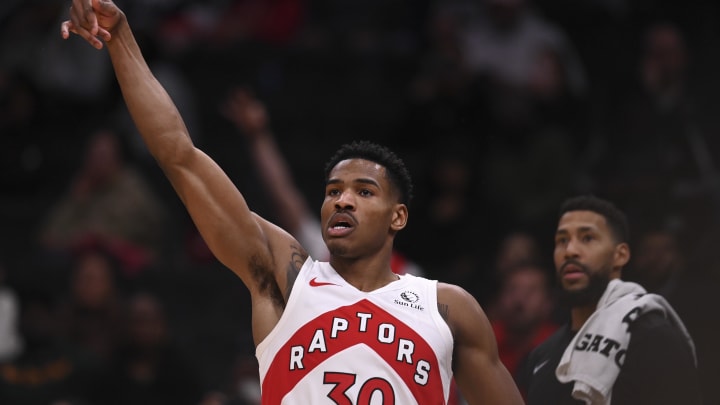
<point>335,344</point>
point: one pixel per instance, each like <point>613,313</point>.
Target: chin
<point>337,250</point>
<point>582,295</point>
<point>576,286</point>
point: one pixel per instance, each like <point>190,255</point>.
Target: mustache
<point>343,212</point>
<point>576,263</point>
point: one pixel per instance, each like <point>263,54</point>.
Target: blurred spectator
<point>48,370</point>
<point>69,73</point>
<point>448,205</point>
<point>108,205</point>
<point>521,316</point>
<point>251,118</point>
<point>661,159</point>
<point>91,313</point>
<point>520,56</point>
<point>442,96</point>
<point>244,387</point>
<point>148,368</point>
<point>219,23</point>
<point>525,180</point>
<point>273,22</point>
<point>657,262</point>
<point>501,39</point>
<point>528,103</point>
<point>516,247</point>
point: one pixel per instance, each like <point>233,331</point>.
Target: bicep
<point>479,373</point>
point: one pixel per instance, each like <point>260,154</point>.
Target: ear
<point>399,217</point>
<point>622,255</point>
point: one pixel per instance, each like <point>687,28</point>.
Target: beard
<point>590,295</point>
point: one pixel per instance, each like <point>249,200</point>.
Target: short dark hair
<point>397,173</point>
<point>616,219</point>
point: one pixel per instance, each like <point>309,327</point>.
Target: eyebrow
<point>580,229</point>
<point>361,180</point>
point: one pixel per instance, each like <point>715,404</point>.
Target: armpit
<point>262,273</point>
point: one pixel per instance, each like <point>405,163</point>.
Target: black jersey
<point>658,369</point>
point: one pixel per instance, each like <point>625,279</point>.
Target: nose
<point>571,249</point>
<point>345,201</point>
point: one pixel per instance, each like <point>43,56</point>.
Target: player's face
<point>360,212</point>
<point>586,256</point>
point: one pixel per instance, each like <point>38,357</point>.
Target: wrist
<point>121,30</point>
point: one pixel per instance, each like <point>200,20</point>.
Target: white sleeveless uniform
<point>335,344</point>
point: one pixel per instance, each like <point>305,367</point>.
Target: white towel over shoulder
<point>593,358</point>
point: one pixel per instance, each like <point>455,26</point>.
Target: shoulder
<point>659,366</point>
<point>462,312</point>
<point>451,295</point>
<point>654,333</point>
<point>650,320</point>
<point>655,326</point>
<point>452,292</point>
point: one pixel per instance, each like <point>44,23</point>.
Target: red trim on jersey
<point>280,380</point>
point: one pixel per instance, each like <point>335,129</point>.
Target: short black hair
<point>616,219</point>
<point>397,172</point>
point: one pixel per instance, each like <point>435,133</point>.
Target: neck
<point>365,274</point>
<point>580,314</point>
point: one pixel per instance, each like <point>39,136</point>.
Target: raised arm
<point>238,238</point>
<point>478,371</point>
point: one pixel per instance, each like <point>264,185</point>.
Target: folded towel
<point>594,357</point>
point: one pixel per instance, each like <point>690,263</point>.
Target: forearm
<point>151,108</point>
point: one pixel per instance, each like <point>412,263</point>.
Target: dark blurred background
<point>500,108</point>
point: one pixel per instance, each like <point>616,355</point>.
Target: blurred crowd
<point>500,108</point>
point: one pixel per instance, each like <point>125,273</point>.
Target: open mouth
<point>341,224</point>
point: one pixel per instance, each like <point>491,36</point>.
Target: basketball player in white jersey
<point>347,331</point>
